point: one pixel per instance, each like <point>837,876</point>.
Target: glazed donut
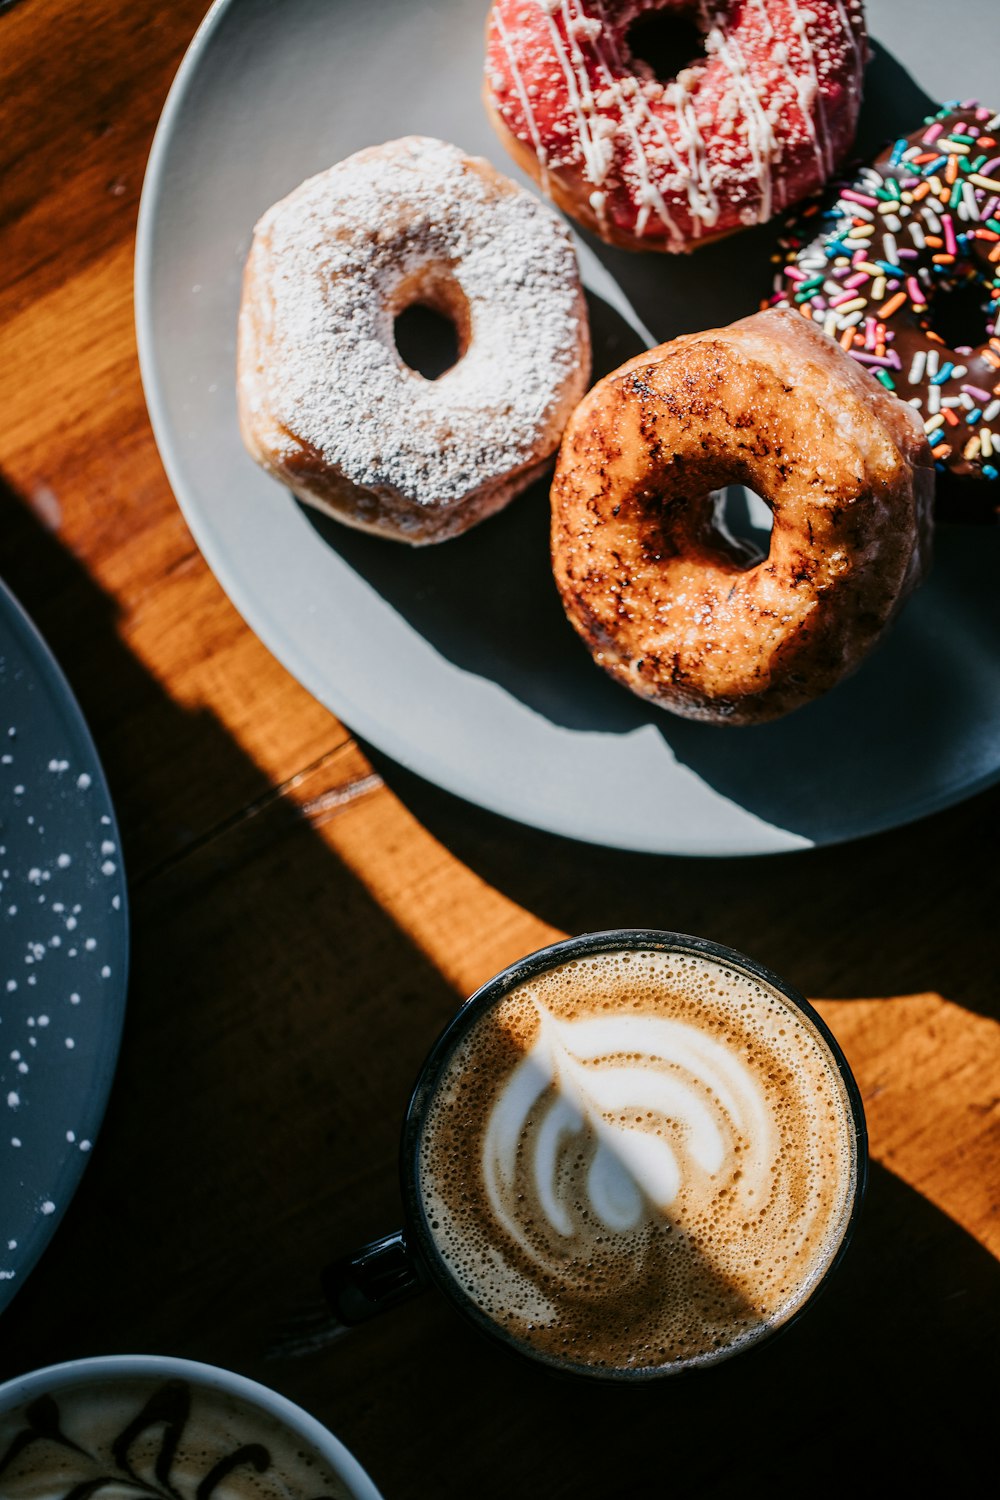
<point>762,119</point>
<point>326,403</point>
<point>666,601</point>
<point>921,223</point>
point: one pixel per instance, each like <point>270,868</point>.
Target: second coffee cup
<point>629,1154</point>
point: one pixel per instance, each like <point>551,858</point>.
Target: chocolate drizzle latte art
<point>136,1439</point>
<point>638,1161</point>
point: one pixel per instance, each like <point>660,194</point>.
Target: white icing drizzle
<point>597,156</point>
<point>522,94</point>
<point>801,29</point>
<point>806,97</point>
<point>859,59</point>
<point>760,136</point>
<point>640,160</point>
<point>617,124</point>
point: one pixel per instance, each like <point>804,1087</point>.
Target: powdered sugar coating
<point>328,404</point>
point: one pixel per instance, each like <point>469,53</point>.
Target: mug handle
<point>373,1279</point>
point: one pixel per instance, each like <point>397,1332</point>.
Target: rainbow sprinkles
<point>918,225</point>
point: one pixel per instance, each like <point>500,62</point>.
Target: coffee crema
<point>639,1161</point>
<point>126,1438</point>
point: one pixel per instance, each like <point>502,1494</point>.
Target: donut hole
<point>431,323</point>
<point>746,519</point>
<point>666,40</point>
<point>958,313</point>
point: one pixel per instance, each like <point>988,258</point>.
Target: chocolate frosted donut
<point>668,603</point>
<point>327,404</point>
<point>916,233</point>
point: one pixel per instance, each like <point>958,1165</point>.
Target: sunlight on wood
<point>929,1074</point>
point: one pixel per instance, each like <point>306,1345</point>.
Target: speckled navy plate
<point>63,944</point>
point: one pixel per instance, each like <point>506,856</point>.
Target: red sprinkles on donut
<point>903,268</point>
<point>660,124</point>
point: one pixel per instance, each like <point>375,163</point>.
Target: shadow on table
<point>890,1356</point>
<point>277,1017</point>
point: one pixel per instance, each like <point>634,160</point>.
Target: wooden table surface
<point>306,916</point>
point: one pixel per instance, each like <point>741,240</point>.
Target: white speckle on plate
<point>58,766</point>
<point>84,1145</point>
<point>116,902</point>
<point>70,1043</point>
<point>108,867</point>
<point>83,781</point>
<point>64,861</point>
<point>74,999</point>
<point>71,1136</point>
<point>48,1207</point>
<point>106,971</point>
<point>11,986</point>
<point>15,1140</point>
<point>43,1020</point>
<point>90,944</point>
<point>107,847</point>
<point>13,1099</point>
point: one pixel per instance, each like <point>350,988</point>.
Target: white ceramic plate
<point>457,661</point>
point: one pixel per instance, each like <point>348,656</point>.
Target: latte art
<point>638,1160</point>
<point>624,1115</point>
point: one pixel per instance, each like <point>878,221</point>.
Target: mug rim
<point>91,1369</point>
<point>624,939</point>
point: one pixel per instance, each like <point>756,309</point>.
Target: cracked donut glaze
<point>639,1161</point>
<point>665,600</point>
<point>762,119</point>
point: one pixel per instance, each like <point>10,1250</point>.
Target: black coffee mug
<point>390,1270</point>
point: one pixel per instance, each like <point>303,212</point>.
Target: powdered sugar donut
<point>760,120</point>
<point>326,402</point>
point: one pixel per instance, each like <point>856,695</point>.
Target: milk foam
<point>639,1160</point>
<point>58,1445</point>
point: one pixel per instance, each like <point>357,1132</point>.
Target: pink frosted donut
<point>761,119</point>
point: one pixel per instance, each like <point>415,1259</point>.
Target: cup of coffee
<point>150,1425</point>
<point>630,1154</point>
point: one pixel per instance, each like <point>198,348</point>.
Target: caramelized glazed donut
<point>762,119</point>
<point>327,404</point>
<point>666,601</point>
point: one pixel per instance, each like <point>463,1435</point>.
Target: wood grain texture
<point>307,916</point>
